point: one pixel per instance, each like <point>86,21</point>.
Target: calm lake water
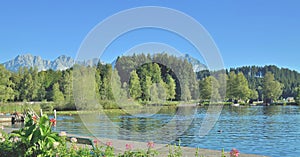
<point>272,130</point>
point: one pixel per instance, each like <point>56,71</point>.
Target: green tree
<point>186,93</point>
<point>222,80</point>
<point>297,97</point>
<point>243,91</point>
<point>253,94</point>
<point>161,89</point>
<point>98,80</point>
<point>154,93</point>
<point>41,94</point>
<point>205,89</point>
<point>26,85</point>
<point>237,87</point>
<point>134,85</point>
<point>232,86</point>
<point>84,87</point>
<point>209,89</point>
<point>104,81</point>
<point>6,90</point>
<point>171,88</point>
<point>16,78</point>
<point>67,86</point>
<point>116,85</point>
<point>145,87</point>
<point>33,92</point>
<point>272,89</point>
<point>57,96</point>
<point>156,73</point>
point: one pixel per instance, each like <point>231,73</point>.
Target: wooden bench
<point>82,140</point>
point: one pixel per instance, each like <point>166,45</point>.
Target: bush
<point>35,139</point>
<point>106,104</point>
<point>46,106</point>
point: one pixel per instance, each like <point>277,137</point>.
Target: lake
<point>263,130</point>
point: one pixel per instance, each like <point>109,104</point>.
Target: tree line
<point>150,78</point>
<point>238,89</point>
<point>268,82</point>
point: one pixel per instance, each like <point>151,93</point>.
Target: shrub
<point>106,104</point>
<point>46,106</point>
<point>36,138</point>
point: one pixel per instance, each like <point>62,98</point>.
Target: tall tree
<point>134,85</point>
<point>161,89</point>
<point>33,92</point>
<point>26,85</point>
<point>222,79</point>
<point>237,86</point>
<point>41,94</point>
<point>6,90</point>
<point>67,86</point>
<point>105,88</point>
<point>209,89</point>
<point>297,97</point>
<point>243,91</point>
<point>156,73</point>
<point>232,86</point>
<point>171,88</point>
<point>186,93</point>
<point>57,95</point>
<point>272,89</point>
<point>154,93</point>
<point>84,87</point>
<point>116,85</point>
<point>145,87</point>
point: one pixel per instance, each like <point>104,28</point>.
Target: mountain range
<point>64,62</point>
<point>61,63</point>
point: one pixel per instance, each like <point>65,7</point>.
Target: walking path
<point>120,146</point>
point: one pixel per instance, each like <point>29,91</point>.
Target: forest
<point>149,78</point>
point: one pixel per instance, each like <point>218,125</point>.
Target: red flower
<point>129,146</point>
<point>53,121</point>
<point>109,144</point>
<point>150,144</point>
<point>234,153</point>
<point>34,118</point>
<point>95,142</point>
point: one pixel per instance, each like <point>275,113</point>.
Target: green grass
<point>18,107</point>
<point>106,111</point>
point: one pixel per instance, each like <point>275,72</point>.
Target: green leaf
<point>30,130</point>
<point>36,136</point>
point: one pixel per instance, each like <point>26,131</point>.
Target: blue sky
<point>252,32</point>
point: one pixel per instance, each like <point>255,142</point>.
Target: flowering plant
<point>36,138</point>
<point>234,153</point>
